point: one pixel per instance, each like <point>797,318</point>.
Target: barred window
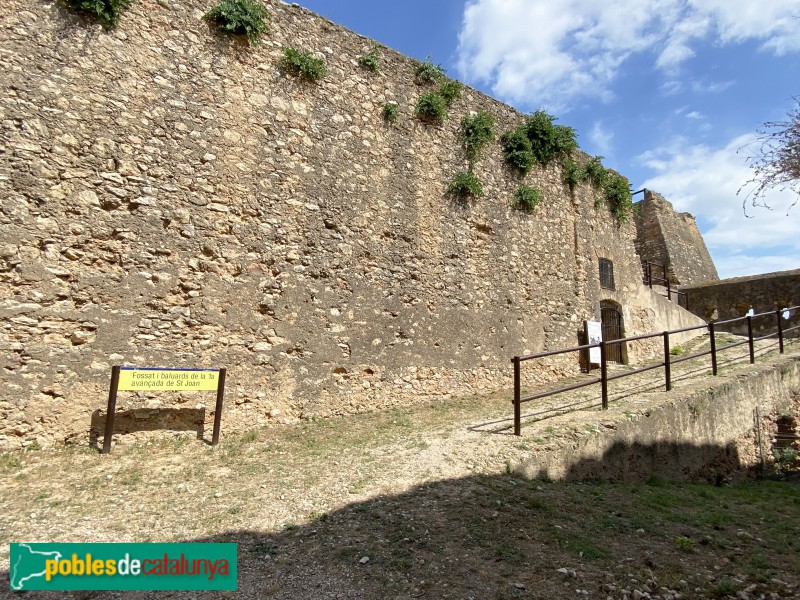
<point>606,274</point>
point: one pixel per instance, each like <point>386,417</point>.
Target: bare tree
<point>775,160</point>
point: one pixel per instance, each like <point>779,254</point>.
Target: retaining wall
<point>703,431</point>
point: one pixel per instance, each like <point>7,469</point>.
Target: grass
<point>474,533</point>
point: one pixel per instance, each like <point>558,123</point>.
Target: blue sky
<point>670,92</point>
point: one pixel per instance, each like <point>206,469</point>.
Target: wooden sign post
<point>140,379</point>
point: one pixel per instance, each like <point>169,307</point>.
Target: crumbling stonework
<point>170,197</point>
<point>672,239</point>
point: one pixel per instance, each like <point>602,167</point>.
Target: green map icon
<point>28,565</point>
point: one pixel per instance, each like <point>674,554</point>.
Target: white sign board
<point>594,334</point>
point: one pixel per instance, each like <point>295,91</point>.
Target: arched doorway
<point>613,329</point>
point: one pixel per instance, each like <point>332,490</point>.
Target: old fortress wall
<point>670,238</point>
<point>170,197</point>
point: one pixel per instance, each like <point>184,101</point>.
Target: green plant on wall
<point>548,140</point>
<point>390,112</point>
<point>595,172</point>
<point>303,64</point>
<point>618,196</point>
<point>464,186</point>
<point>428,72</point>
<point>572,172</point>
<point>526,198</point>
<point>450,90</point>
<point>106,12</point>
<point>240,17</point>
<point>517,150</point>
<point>371,60</point>
<point>476,132</point>
<point>431,108</point>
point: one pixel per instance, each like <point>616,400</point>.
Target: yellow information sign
<point>139,379</point>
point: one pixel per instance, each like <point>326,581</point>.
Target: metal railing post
<point>517,396</point>
<point>750,339</point>
<point>650,275</point>
<point>669,290</point>
<point>713,340</point>
<point>667,365</point>
<point>603,375</point>
<point>780,330</point>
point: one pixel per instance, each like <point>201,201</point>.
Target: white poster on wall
<point>594,335</point>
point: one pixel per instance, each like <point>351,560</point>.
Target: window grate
<point>606,274</point>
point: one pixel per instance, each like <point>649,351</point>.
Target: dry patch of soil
<point>411,503</point>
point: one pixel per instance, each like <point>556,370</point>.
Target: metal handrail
<point>649,279</point>
<point>666,363</point>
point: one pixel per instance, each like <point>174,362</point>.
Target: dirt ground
<point>411,503</point>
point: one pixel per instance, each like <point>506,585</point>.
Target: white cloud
<point>740,265</point>
<point>601,139</point>
<point>705,181</point>
<point>710,87</point>
<point>551,53</point>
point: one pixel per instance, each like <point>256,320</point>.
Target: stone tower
<point>671,238</point>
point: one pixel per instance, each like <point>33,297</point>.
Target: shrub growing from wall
<point>618,196</point>
<point>526,198</point>
<point>517,150</point>
<point>428,72</point>
<point>390,112</point>
<point>106,12</point>
<point>240,17</point>
<point>595,172</point>
<point>548,140</point>
<point>464,186</point>
<point>572,172</point>
<point>450,90</point>
<point>371,60</point>
<point>303,64</point>
<point>476,133</point>
<point>431,108</point>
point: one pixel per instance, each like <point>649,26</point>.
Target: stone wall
<point>170,197</point>
<point>704,431</point>
<point>670,238</point>
<point>732,298</point>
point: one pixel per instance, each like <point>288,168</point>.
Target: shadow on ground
<point>148,419</point>
<point>501,536</point>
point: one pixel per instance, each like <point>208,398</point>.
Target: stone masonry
<point>170,197</point>
<point>670,238</point>
<point>732,298</point>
